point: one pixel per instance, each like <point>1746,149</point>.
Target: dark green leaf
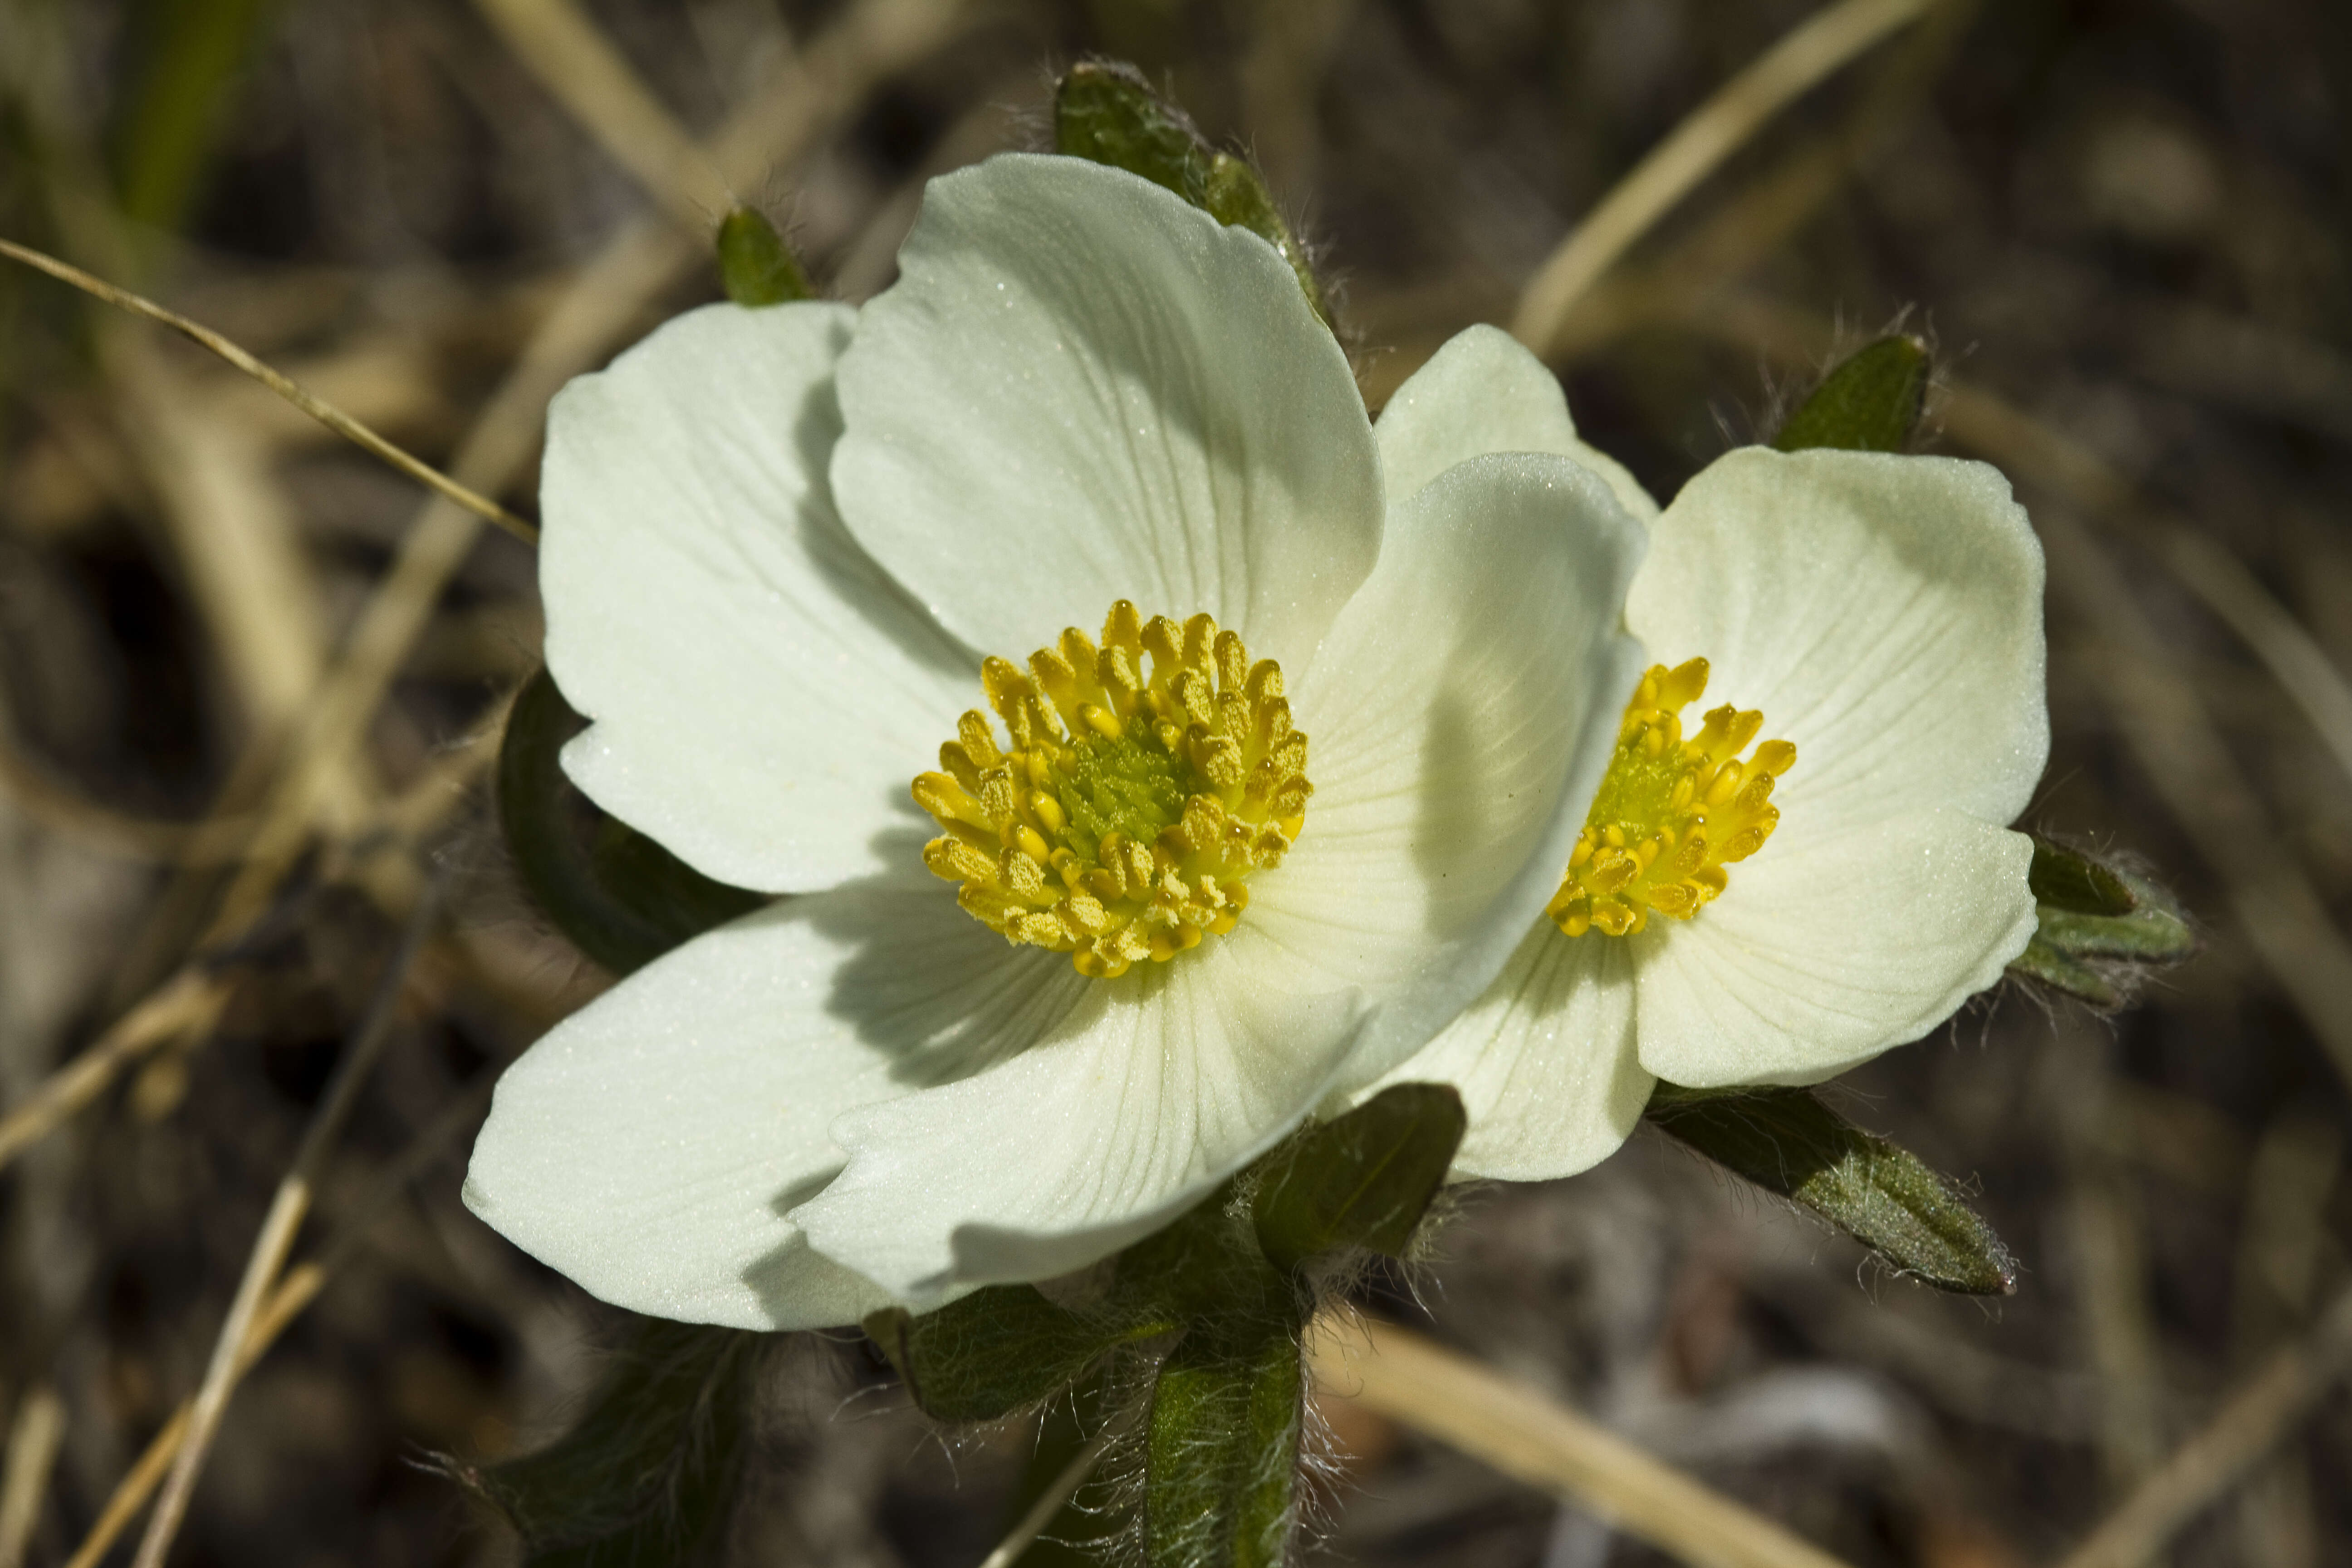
<point>1360,1180</point>
<point>2042,961</point>
<point>1222,1461</point>
<point>1786,1142</point>
<point>1237,197</point>
<point>2102,928</point>
<point>2069,879</point>
<point>1107,113</point>
<point>755,266</point>
<point>1206,1265</point>
<point>2150,934</point>
<point>647,1476</point>
<point>1000,1349</point>
<point>1871,402</point>
<point>620,897</point>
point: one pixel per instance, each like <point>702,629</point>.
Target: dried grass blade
<point>1803,57</point>
<point>1485,1414</point>
<point>286,1209</point>
<point>325,413</point>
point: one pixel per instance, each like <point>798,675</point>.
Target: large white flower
<point>779,544</point>
<point>1844,885</point>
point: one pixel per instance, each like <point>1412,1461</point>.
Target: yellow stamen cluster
<point>1670,813</point>
<point>1121,821</point>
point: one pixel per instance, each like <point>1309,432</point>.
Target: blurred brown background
<point>2124,224</point>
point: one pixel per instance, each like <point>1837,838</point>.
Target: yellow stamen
<point>1670,813</point>
<point>1120,823</point>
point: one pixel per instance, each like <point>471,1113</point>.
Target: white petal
<point>1157,1086</point>
<point>653,1144</point>
<point>1459,719</point>
<point>1820,958</point>
<point>762,694</point>
<point>1082,389</point>
<point>1884,612</point>
<point>1545,1060</point>
<point>1483,393</point>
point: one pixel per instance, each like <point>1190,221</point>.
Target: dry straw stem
<point>296,1290</point>
<point>325,413</point>
<point>1806,55</point>
<point>2104,1232</point>
<point>803,97</point>
<point>1758,220</point>
<point>271,1249</point>
<point>113,833</point>
<point>2292,654</point>
<point>2205,1467</point>
<point>1049,1503</point>
<point>300,1286</point>
<point>187,1003</point>
<point>1449,1396</point>
<point>33,1440</point>
<point>2168,728</point>
<point>592,79</point>
<point>229,522</point>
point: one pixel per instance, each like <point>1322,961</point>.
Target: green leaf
<point>755,266</point>
<point>646,1477</point>
<point>1786,1142</point>
<point>1237,197</point>
<point>1107,112</point>
<point>2044,962</point>
<point>2102,928</point>
<point>1222,1457</point>
<point>2150,934</point>
<point>1206,1266</point>
<point>1360,1180</point>
<point>1000,1349</point>
<point>1871,402</point>
<point>622,898</point>
<point>2069,879</point>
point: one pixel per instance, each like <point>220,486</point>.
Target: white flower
<point>1882,614</point>
<point>778,544</point>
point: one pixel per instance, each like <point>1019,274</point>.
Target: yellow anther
<point>1124,627</point>
<point>1670,814</point>
<point>972,733</point>
<point>1122,819</point>
<point>1681,686</point>
<point>1163,639</point>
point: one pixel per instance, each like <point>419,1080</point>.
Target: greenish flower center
<point>1124,786</point>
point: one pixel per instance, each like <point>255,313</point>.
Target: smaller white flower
<point>1776,889</point>
<point>786,554</point>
